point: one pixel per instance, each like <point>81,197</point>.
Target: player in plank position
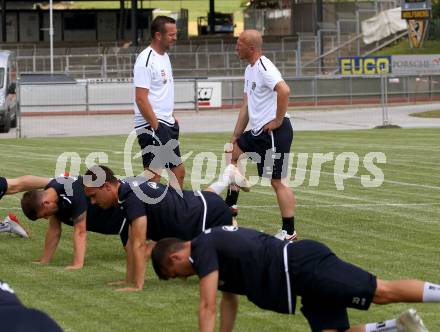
<point>155,211</point>
<point>63,202</point>
<point>272,273</point>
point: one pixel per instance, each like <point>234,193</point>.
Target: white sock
<point>222,182</point>
<point>431,292</point>
<point>386,326</point>
<point>218,187</point>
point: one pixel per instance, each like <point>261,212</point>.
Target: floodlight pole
<point>211,17</point>
<point>3,20</point>
<point>51,34</point>
<point>384,99</point>
<point>134,22</point>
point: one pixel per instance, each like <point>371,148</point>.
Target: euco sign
<point>365,65</point>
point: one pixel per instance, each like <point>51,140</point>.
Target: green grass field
<point>403,47</point>
<point>427,114</point>
<point>391,230</point>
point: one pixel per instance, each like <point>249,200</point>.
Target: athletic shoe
<point>284,236</point>
<point>11,225</point>
<point>410,321</point>
<point>234,177</point>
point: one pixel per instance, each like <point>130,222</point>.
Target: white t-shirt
<point>153,71</point>
<point>259,84</point>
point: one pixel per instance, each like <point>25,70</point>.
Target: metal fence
<point>312,52</point>
<point>185,64</point>
<point>52,109</point>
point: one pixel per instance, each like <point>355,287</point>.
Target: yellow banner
<point>416,14</point>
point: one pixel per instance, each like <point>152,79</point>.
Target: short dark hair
<point>158,24</point>
<point>94,171</point>
<point>161,251</point>
<point>31,203</point>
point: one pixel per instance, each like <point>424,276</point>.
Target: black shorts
<point>272,151</point>
<point>3,187</point>
<point>328,285</point>
<point>218,212</point>
<point>153,143</point>
<point>109,222</point>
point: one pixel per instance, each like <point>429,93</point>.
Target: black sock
<point>289,225</point>
<point>231,200</point>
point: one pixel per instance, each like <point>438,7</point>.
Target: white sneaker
<point>11,225</point>
<point>234,177</point>
<point>410,321</point>
<point>284,236</point>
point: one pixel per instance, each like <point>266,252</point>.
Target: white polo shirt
<point>153,71</point>
<point>259,84</point>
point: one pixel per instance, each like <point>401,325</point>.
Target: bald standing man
<point>268,142</point>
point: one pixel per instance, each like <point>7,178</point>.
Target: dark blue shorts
<point>158,149</point>
<point>270,152</point>
<point>3,187</point>
<point>327,285</point>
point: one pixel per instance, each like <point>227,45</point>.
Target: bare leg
<point>179,173</point>
<point>398,291</point>
<point>152,174</point>
<point>285,198</point>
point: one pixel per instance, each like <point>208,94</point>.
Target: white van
<point>8,97</point>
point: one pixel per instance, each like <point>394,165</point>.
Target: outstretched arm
<point>136,248</point>
<point>26,183</point>
<point>129,259</point>
<point>51,241</point>
<point>207,306</point>
<point>79,242</point>
<point>229,307</point>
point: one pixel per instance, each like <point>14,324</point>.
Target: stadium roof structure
<point>134,5</point>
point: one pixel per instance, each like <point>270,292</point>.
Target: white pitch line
<point>389,181</point>
<point>341,205</point>
<point>317,193</point>
<point>386,181</point>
